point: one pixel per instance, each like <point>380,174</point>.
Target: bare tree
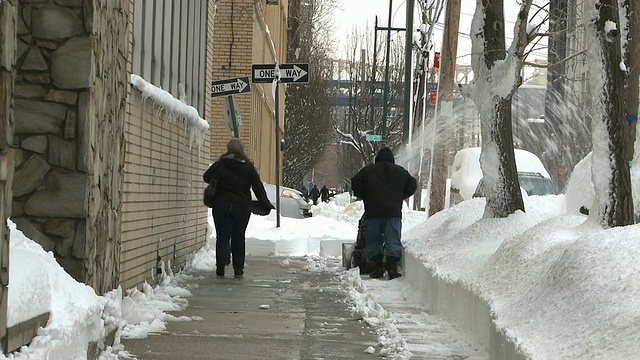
<point>497,76</point>
<point>308,114</point>
<point>613,204</point>
<point>364,113</point>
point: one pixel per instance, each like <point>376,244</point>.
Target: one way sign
<point>230,86</point>
<point>289,73</point>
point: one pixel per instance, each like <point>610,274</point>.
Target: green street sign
<point>371,137</point>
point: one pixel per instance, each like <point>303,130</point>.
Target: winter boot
<point>220,271</point>
<point>238,273</point>
<point>378,268</point>
<point>392,268</point>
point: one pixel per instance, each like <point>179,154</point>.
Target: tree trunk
<point>504,198</point>
<point>493,72</point>
<point>614,201</point>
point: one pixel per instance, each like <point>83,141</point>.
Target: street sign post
<point>279,73</point>
<point>372,137</point>
<point>232,117</point>
<point>289,73</point>
<point>230,86</point>
<point>231,111</point>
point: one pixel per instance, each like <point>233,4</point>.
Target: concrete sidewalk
<point>306,318</point>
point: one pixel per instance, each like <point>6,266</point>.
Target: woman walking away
<point>231,209</point>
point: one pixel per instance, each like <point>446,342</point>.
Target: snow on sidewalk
<point>406,328</point>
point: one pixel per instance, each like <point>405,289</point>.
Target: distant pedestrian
<point>383,186</point>
<point>315,194</point>
<point>324,193</point>
<point>305,193</point>
<point>231,208</point>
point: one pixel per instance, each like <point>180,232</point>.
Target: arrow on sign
<point>230,86</point>
<point>296,73</point>
<point>289,73</point>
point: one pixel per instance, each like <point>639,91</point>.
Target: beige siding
<point>162,212</point>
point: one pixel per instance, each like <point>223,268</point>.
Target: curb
<point>455,301</point>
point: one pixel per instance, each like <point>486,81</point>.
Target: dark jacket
<point>315,193</point>
<point>324,193</point>
<point>383,186</point>
<point>236,178</point>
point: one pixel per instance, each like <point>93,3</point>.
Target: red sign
<point>436,60</point>
<point>433,96</point>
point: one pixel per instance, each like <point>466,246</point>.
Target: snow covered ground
<point>559,286</point>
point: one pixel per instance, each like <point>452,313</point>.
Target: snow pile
<point>146,311</point>
<point>29,288</point>
<point>364,307</point>
<point>38,285</point>
<point>78,316</point>
<point>339,208</point>
<point>559,286</point>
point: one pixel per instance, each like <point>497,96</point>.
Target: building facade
<point>250,32</point>
<point>94,169</point>
<point>8,14</point>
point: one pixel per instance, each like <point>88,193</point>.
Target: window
<point>169,46</point>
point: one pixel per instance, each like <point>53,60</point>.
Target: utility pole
<point>385,99</point>
<point>385,109</point>
<point>408,50</point>
<point>373,71</point>
<point>449,53</point>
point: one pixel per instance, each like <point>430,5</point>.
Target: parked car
<point>467,175</point>
<point>532,183</point>
<point>292,204</point>
<point>580,193</point>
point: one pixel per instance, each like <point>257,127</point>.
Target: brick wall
<point>162,215</point>
<point>240,40</point>
<point>163,218</point>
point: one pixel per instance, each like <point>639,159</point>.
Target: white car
<point>580,194</point>
<point>467,175</point>
<point>292,204</point>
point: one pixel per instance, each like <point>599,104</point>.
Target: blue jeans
<point>382,235</point>
<point>231,223</point>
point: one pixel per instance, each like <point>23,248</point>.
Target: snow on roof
<point>174,108</point>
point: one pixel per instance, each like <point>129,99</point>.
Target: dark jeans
<point>382,236</point>
<point>231,223</point>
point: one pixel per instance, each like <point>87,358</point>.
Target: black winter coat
<point>236,178</point>
<point>383,186</point>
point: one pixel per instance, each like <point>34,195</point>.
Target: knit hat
<point>235,146</point>
<point>385,154</point>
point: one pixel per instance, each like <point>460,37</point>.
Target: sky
<point>557,284</point>
<point>362,13</point>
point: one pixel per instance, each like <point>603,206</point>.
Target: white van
<point>466,175</point>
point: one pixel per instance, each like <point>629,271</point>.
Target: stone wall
<point>8,10</point>
<point>104,142</point>
<point>69,110</point>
